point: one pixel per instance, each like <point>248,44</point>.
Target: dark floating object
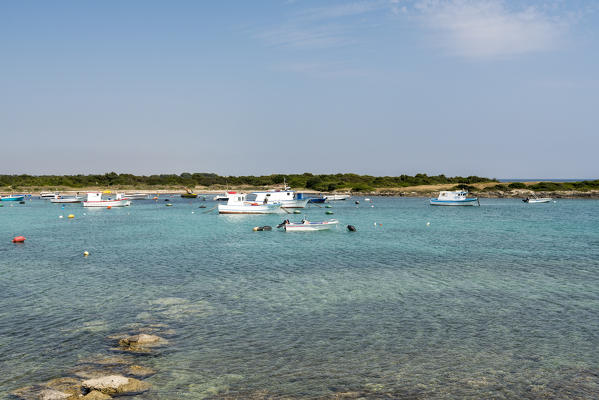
<point>357,202</point>
<point>202,206</point>
<point>165,199</point>
<point>351,228</point>
<point>21,202</point>
<point>262,228</point>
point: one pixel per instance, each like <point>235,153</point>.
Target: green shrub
<point>517,185</point>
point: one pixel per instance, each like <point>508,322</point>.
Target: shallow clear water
<point>499,301</point>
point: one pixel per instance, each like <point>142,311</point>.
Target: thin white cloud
<point>342,10</point>
<point>489,28</point>
<point>311,37</point>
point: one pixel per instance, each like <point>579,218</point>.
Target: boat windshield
<point>250,197</point>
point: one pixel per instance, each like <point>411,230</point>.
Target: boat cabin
<point>275,196</point>
<point>449,195</point>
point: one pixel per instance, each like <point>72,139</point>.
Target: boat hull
<point>189,195</point>
<point>337,197</point>
<point>294,203</point>
<point>542,200</point>
<point>249,209</point>
<point>61,201</point>
<point>317,200</point>
<point>311,226</point>
<point>13,198</point>
<point>136,196</point>
<point>466,202</point>
<point>106,203</point>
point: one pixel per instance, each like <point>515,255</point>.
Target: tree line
<point>321,182</point>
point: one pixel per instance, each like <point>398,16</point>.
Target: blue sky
<point>490,87</point>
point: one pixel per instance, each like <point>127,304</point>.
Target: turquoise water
<point>500,301</point>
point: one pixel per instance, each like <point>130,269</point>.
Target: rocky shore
<point>102,377</point>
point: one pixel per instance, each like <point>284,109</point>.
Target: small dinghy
<point>535,199</point>
<point>306,226</point>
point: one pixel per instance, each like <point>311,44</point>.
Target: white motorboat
<point>307,226</point>
<point>66,199</point>
<point>222,197</point>
<point>94,199</point>
<point>287,198</point>
<point>48,195</point>
<point>454,198</point>
<point>536,199</point>
<point>239,203</point>
<point>136,196</point>
<point>337,197</point>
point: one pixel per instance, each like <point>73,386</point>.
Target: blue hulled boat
<point>13,198</point>
<point>457,198</point>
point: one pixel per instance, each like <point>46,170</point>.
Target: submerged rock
<point>102,360</point>
<point>51,394</point>
<point>116,384</point>
<point>55,389</point>
<point>142,339</point>
<point>139,371</point>
<point>141,343</point>
<point>95,395</point>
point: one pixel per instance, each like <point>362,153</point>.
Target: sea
<point>499,301</point>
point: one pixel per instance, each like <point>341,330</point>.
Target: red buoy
<point>18,239</point>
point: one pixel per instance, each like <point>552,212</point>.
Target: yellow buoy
<point>71,216</point>
<point>255,228</point>
<point>85,253</point>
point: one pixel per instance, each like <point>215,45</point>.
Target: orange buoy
<point>109,207</point>
<point>18,239</point>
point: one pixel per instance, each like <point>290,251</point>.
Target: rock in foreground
<point>116,384</point>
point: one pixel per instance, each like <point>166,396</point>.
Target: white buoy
<point>60,216</point>
<point>428,224</point>
<point>193,212</point>
<point>375,224</point>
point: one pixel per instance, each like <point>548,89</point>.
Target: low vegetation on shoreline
<point>403,185</point>
<point>321,183</point>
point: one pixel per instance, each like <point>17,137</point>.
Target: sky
<point>496,88</point>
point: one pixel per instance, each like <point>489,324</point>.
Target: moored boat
<point>454,198</point>
<point>13,197</point>
<point>286,198</point>
<point>48,195</point>
<point>238,203</point>
<point>223,197</point>
<point>94,199</point>
<point>189,194</point>
<point>66,199</point>
<point>317,200</point>
<point>337,197</point>
<point>135,196</point>
<point>536,199</point>
<point>307,226</point>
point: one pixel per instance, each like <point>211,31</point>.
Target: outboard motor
<point>351,228</point>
